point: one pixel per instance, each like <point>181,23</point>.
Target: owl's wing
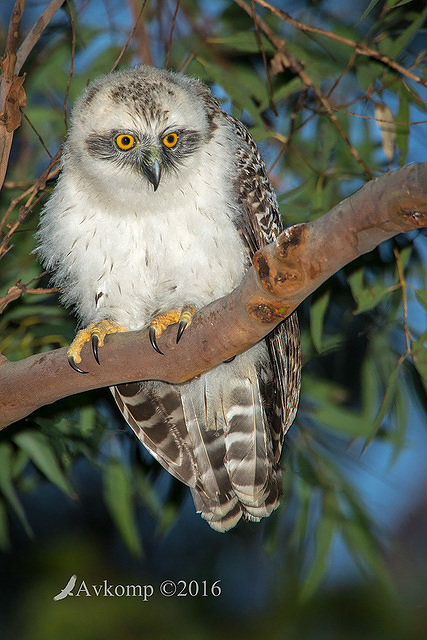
<point>259,224</point>
<point>154,411</point>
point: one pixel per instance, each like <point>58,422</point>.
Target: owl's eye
<point>125,141</point>
<point>170,140</point>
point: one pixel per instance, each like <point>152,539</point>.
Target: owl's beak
<point>153,172</point>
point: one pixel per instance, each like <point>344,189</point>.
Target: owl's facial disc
<point>154,155</point>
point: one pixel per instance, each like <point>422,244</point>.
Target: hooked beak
<point>153,172</point>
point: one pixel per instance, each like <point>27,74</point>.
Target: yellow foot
<point>161,322</point>
<point>94,332</point>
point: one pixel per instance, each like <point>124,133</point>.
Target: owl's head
<point>141,126</point>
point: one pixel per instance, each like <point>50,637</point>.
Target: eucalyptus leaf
<point>419,355</point>
<point>318,309</point>
<point>8,490</point>
<point>118,495</point>
<point>366,296</point>
<point>39,449</point>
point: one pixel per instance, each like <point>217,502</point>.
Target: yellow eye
<point>170,140</point>
<point>125,141</point>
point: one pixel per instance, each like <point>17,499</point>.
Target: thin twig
<point>344,72</point>
<point>132,33</point>
<point>264,59</point>
<point>71,71</point>
<point>402,282</point>
<point>171,34</point>
<point>32,192</point>
<point>37,134</point>
<point>24,211</point>
<point>35,33</point>
<point>395,122</point>
<point>359,47</point>
<point>19,289</point>
<point>286,142</point>
<point>285,59</point>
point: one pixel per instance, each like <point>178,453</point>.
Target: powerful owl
<point>161,203</point>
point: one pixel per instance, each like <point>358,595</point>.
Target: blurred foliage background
<point>345,555</point>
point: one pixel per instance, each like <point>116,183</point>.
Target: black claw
<point>229,360</point>
<point>74,365</point>
<point>181,329</point>
<point>152,336</point>
<point>95,343</point>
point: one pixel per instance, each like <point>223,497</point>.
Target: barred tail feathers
<point>213,434</point>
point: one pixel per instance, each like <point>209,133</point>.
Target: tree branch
<point>12,92</point>
<point>35,33</point>
<point>284,274</point>
<point>359,47</point>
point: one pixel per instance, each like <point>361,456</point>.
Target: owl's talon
<point>95,344</point>
<point>185,320</point>
<point>162,321</point>
<point>74,366</point>
<point>181,328</point>
<point>152,335</point>
<point>94,333</point>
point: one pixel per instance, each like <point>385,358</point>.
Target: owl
<point>162,200</point>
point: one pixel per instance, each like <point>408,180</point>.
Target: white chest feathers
<point>129,258</point>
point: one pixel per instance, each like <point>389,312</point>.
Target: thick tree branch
<point>283,275</point>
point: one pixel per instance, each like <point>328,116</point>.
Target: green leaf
<point>118,495</point>
<point>421,295</point>
<point>369,385</point>
<point>330,411</point>
<point>285,89</point>
<point>237,91</point>
<point>165,514</point>
<point>385,403</point>
<point>367,11</point>
<point>366,297</point>
<point>343,421</point>
<point>87,417</point>
<point>323,542</point>
<point>368,72</point>
<point>370,297</point>
<point>245,41</point>
<point>307,469</point>
<point>399,432</point>
<point>407,34</point>
<point>404,256</point>
<point>7,488</point>
<point>397,3</point>
<point>364,547</point>
<point>403,130</point>
<point>4,528</point>
<point>304,491</point>
<point>317,315</point>
<point>419,355</point>
<point>38,448</point>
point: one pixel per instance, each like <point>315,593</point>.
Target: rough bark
<point>284,274</point>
